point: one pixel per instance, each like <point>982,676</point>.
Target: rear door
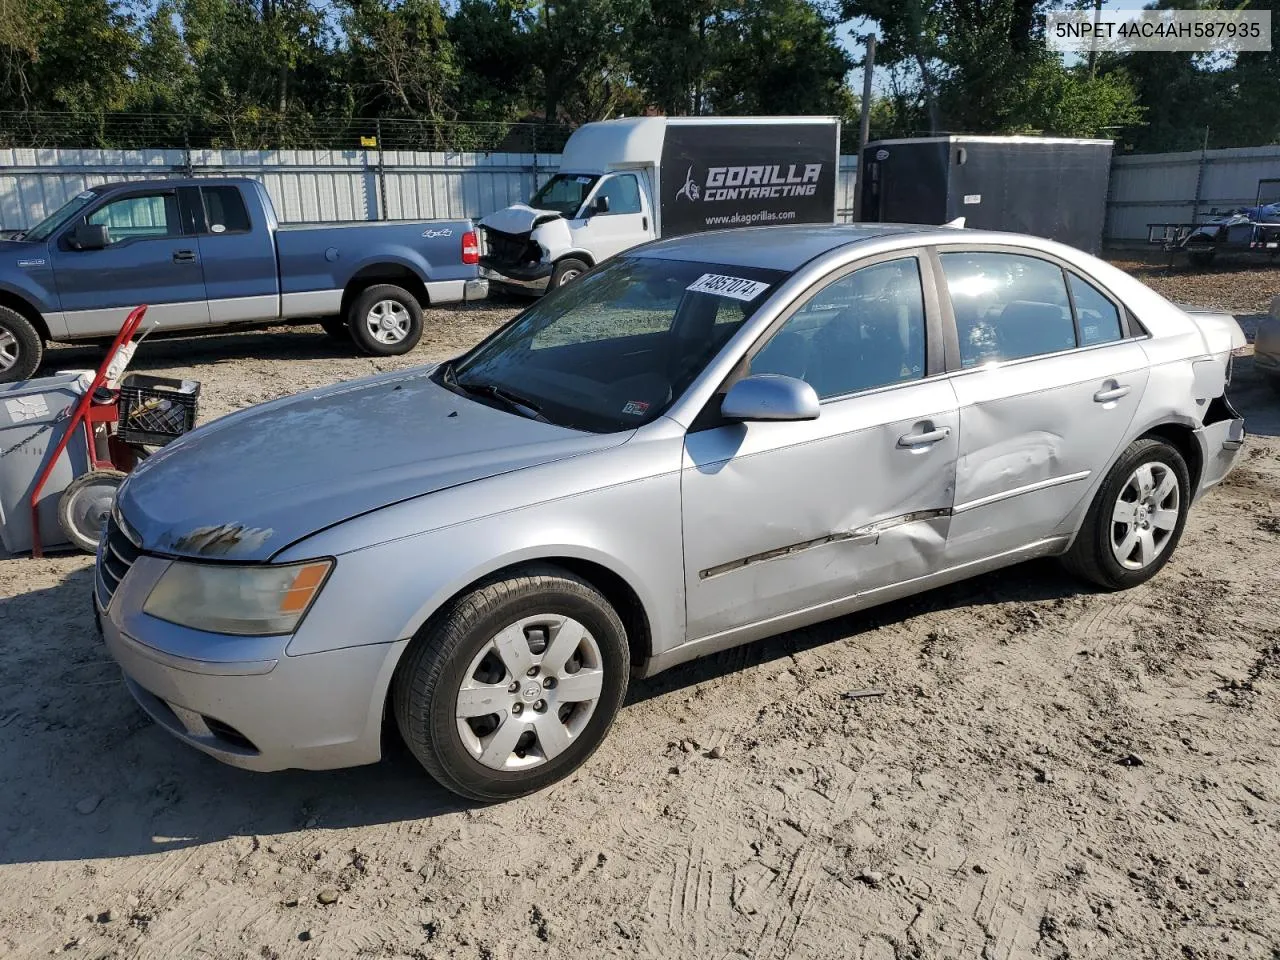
<point>239,255</point>
<point>1048,378</point>
<point>781,517</point>
<point>150,258</point>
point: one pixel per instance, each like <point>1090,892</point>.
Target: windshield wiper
<point>513,401</point>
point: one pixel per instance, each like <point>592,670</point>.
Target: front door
<point>781,517</point>
<point>626,223</point>
<point>148,259</point>
<point>1052,384</point>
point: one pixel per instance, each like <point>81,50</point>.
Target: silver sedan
<point>702,442</point>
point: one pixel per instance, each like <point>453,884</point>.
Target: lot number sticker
<point>737,287</point>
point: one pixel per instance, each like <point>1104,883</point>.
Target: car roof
<point>102,189</point>
<point>780,248</point>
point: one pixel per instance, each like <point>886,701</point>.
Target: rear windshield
<point>615,348</point>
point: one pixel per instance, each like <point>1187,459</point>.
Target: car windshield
<point>564,193</point>
<point>60,216</point>
<point>615,348</point>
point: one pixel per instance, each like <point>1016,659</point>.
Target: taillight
<point>470,247</point>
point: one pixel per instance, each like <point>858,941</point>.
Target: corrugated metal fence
<point>1183,187</point>
<point>306,185</point>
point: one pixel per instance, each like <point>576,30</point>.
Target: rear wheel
<point>385,320</point>
<point>1136,519</point>
<point>85,504</point>
<point>567,270</point>
<point>21,347</point>
<point>513,685</point>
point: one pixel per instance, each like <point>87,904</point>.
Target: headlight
<point>246,601</point>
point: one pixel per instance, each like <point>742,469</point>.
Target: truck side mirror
<point>600,205</point>
<point>90,236</point>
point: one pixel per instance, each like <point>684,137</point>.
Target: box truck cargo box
<point>1044,186</point>
<point>625,182</point>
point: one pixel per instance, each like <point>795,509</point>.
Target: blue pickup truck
<point>207,253</point>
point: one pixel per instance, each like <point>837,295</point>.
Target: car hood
<point>249,485</point>
<point>518,218</point>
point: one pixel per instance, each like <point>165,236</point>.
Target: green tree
<point>402,58</point>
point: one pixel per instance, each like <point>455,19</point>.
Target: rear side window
<point>1097,317</point>
<point>224,210</point>
<point>1007,306</point>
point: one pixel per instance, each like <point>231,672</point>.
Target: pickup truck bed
<point>207,253</point>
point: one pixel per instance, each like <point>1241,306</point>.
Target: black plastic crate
<point>156,410</point>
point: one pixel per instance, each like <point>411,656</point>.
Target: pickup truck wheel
<point>21,347</point>
<point>385,320</point>
<point>566,270</point>
<point>513,685</point>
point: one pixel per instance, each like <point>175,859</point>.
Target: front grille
<point>116,554</point>
<point>509,248</point>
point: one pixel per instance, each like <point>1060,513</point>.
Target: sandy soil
<point>1050,771</point>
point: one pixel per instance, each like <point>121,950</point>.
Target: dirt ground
<point>1050,772</point>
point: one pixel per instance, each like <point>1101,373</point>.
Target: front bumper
<point>245,700</point>
<point>533,278</point>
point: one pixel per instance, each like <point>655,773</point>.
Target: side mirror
<point>90,236</point>
<point>600,205</point>
<point>770,396</point>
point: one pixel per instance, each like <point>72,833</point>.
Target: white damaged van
<point>624,182</point>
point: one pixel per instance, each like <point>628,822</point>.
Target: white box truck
<point>624,182</point>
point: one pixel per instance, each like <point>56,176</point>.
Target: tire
<point>1104,536</point>
<point>84,505</point>
<point>1201,256</point>
<point>337,328</point>
<point>536,735</point>
<point>568,269</point>
<point>385,320</point>
<point>21,347</point>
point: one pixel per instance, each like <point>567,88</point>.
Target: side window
<point>139,217</point>
<point>1097,317</point>
<point>224,210</point>
<point>863,331</point>
<point>1007,306</point>
<point>623,192</point>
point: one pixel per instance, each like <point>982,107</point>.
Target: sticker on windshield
<point>582,179</point>
<point>736,287</point>
<point>636,408</point>
<point>87,195</point>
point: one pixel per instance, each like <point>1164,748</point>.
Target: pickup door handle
<point>184,256</point>
<point>1107,394</point>
<point>644,223</point>
<point>920,439</point>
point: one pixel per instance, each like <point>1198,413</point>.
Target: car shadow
<point>88,775</point>
<point>1023,583</point>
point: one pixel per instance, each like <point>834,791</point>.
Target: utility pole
<point>1093,47</point>
<point>864,126</point>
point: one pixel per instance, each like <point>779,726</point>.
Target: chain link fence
<point>263,131</point>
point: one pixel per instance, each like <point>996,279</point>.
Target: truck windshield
<point>615,348</point>
<point>53,221</point>
<point>564,193</point>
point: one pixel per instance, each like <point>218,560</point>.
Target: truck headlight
<point>245,601</point>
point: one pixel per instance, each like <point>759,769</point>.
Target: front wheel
<point>513,685</point>
<point>21,347</point>
<point>85,504</point>
<point>567,270</point>
<point>385,320</point>
<point>1136,519</point>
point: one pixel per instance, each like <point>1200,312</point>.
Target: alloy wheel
<point>1145,515</point>
<point>388,321</point>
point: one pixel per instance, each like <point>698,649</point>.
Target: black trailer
<point>1044,186</point>
<point>1253,229</point>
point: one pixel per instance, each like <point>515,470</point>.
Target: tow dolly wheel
<point>84,506</point>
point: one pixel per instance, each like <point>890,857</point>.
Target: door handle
<point>921,439</point>
<point>184,256</point>
<point>1107,394</point>
<point>644,223</point>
